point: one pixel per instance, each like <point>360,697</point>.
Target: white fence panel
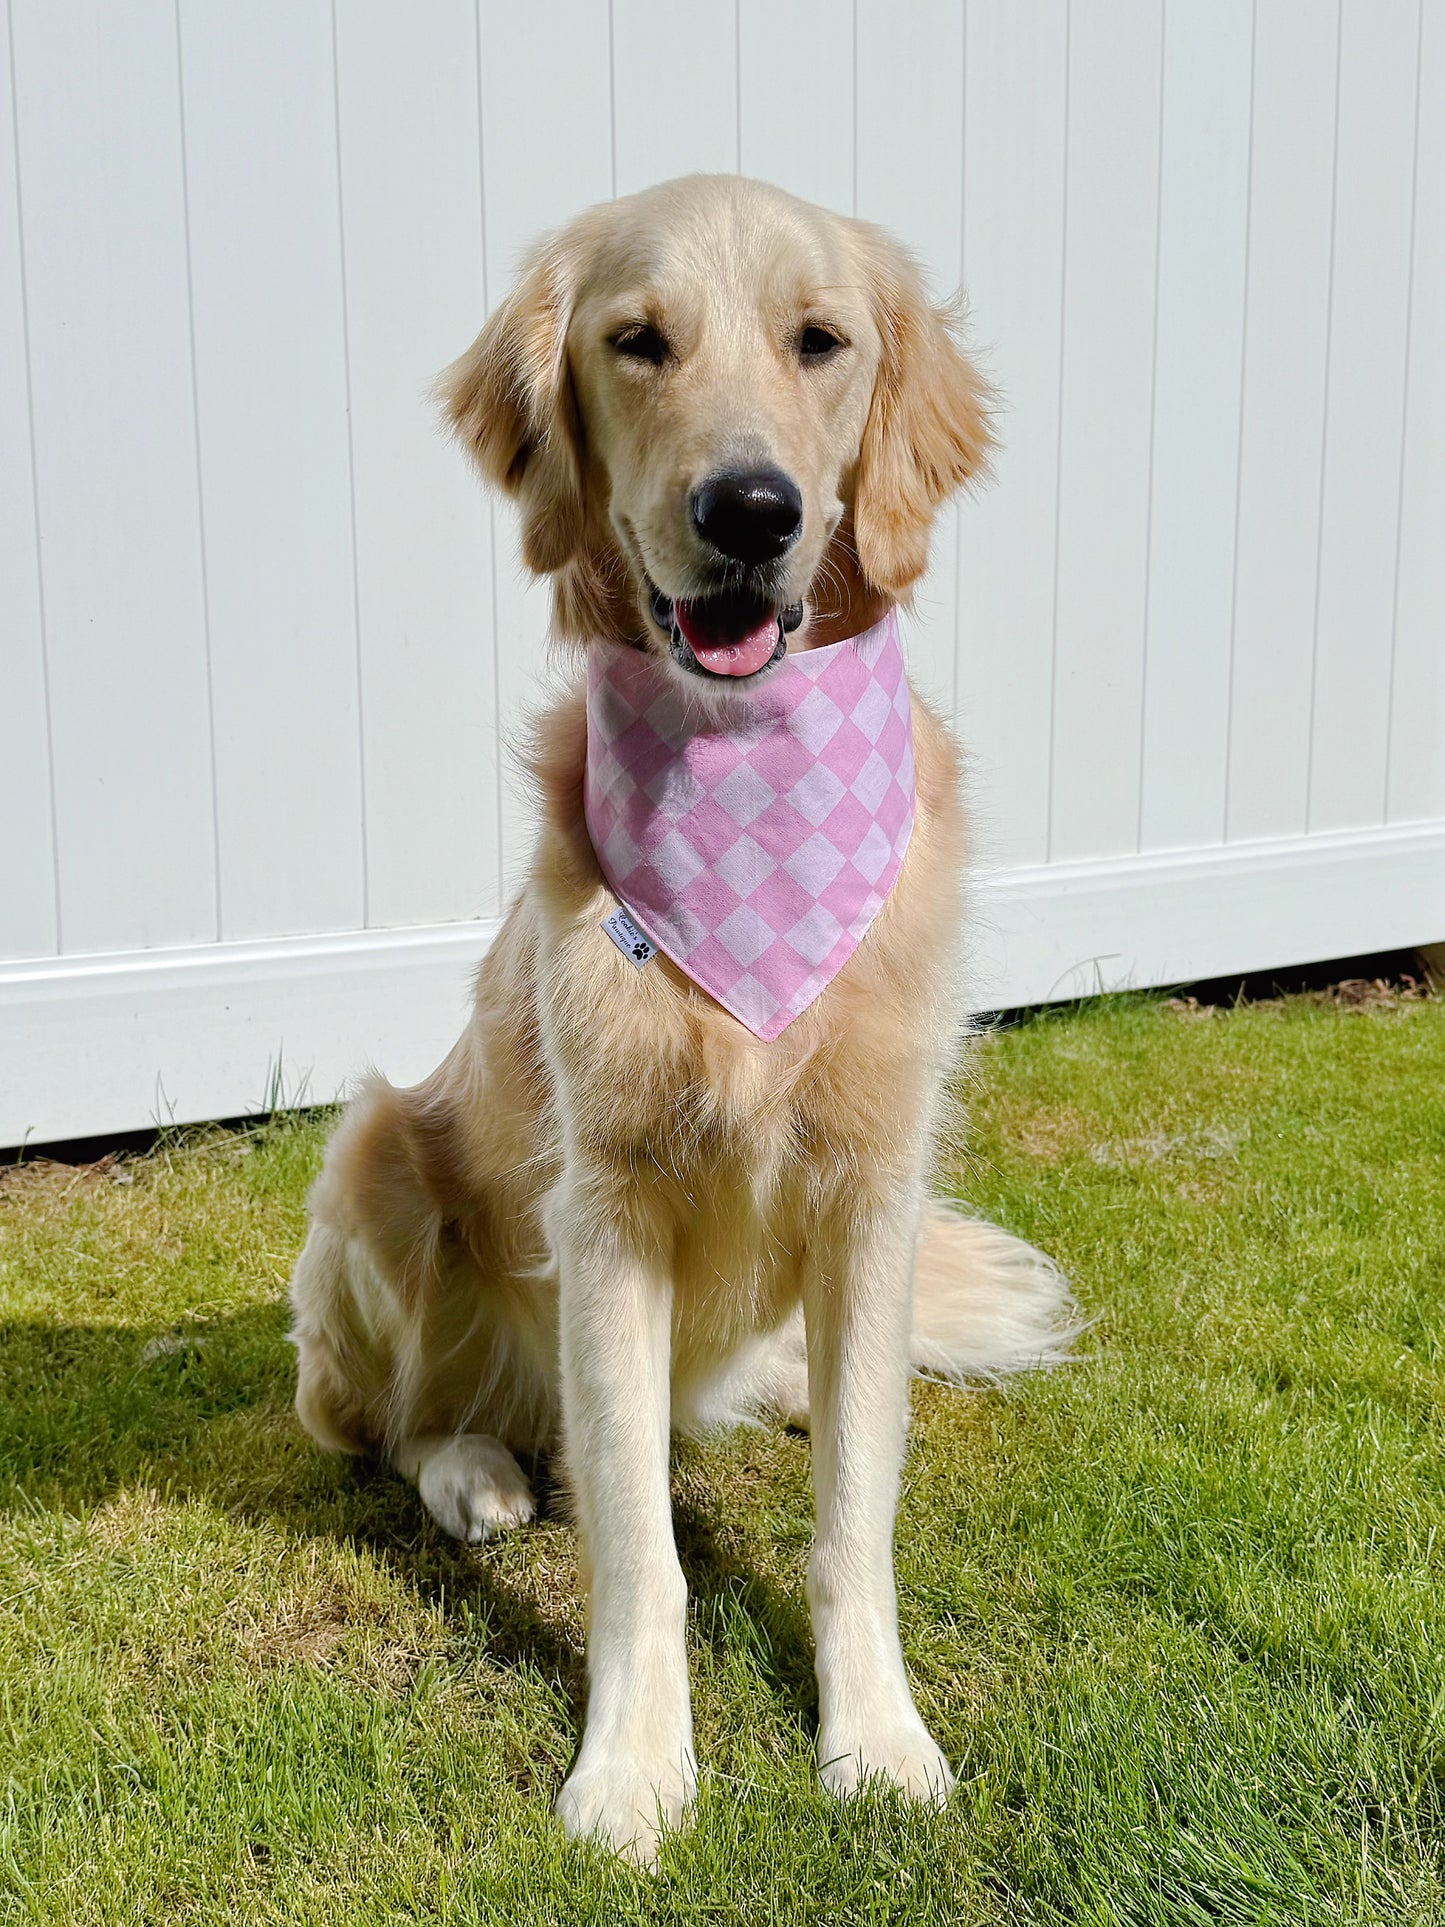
<point>674,77</point>
<point>102,198</point>
<point>1416,762</point>
<point>1015,127</point>
<point>909,176</point>
<point>263,646</point>
<point>1194,460</point>
<point>570,161</point>
<point>269,330</point>
<point>1364,419</point>
<point>1282,424</point>
<point>1111,236</point>
<point>411,231</point>
<point>810,148</point>
<point>28,909</point>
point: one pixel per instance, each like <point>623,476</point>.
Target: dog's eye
<point>640,341</point>
<point>817,343</point>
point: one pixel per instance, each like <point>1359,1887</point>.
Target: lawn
<point>1176,1609</point>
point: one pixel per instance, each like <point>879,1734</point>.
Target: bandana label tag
<point>629,939</point>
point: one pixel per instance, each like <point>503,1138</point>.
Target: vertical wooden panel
<point>565,127</point>
<point>910,130</point>
<point>802,136</point>
<point>105,252</point>
<point>1369,304</point>
<point>910,179</point>
<point>1282,417</point>
<point>1109,302</point>
<point>27,888</point>
<point>1417,723</point>
<point>411,198</point>
<point>675,91</point>
<point>271,404</point>
<point>1013,228</point>
<point>1203,214</point>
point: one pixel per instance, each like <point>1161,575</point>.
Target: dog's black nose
<point>748,514</point>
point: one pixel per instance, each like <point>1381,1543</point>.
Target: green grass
<point>1177,1609</point>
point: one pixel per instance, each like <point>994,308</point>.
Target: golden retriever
<point>613,1210</point>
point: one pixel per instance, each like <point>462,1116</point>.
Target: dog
<point>728,420</point>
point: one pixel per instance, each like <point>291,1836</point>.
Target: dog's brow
<point>640,305</point>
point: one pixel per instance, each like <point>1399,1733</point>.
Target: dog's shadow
<point>203,1409</point>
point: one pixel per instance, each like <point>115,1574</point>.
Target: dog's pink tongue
<point>739,656</point>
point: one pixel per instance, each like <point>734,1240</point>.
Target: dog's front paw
<point>627,1801</point>
<point>901,1754</point>
<point>473,1488</point>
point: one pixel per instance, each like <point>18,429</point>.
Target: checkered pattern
<point>756,844</point>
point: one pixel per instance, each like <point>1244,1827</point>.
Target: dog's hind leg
<point>469,1483</point>
<point>768,1374</point>
<point>416,1346</point>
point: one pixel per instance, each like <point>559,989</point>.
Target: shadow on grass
<point>203,1410</point>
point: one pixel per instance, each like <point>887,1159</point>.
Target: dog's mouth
<point>735,633</point>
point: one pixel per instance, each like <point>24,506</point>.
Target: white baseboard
<point>91,1045</point>
<point>1074,929</point>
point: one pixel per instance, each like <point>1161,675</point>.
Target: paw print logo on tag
<point>631,941</point>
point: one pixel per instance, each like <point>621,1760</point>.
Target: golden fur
<point>451,1285</point>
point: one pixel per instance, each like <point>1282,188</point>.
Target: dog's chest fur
<point>726,1149</point>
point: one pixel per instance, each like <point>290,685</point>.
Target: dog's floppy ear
<point>510,401</point>
<point>928,429</point>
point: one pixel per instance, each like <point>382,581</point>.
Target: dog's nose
<point>748,514</point>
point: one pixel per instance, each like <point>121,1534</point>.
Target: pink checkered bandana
<point>756,839</point>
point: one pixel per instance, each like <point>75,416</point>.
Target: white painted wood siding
<point>263,645</point>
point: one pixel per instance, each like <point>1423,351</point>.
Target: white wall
<point>260,635</point>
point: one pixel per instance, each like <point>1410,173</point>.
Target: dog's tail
<point>985,1304</point>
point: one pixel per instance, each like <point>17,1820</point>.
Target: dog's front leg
<point>635,1773</point>
<point>858,1306</point>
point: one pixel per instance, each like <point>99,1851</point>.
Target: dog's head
<point>728,419</point>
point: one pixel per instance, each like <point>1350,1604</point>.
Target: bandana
<point>754,838</point>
